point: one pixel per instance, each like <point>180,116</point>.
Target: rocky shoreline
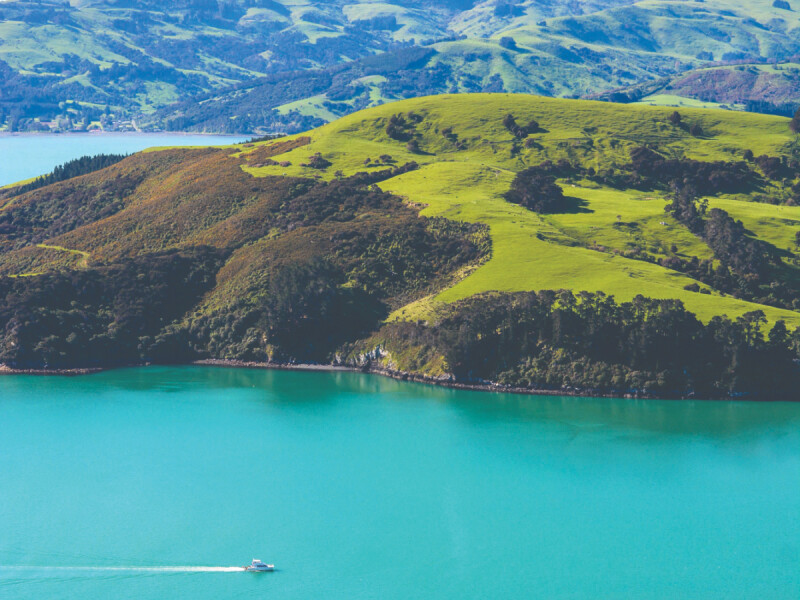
<point>417,378</point>
<point>6,370</point>
<point>373,370</point>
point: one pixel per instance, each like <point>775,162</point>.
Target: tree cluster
<point>747,266</point>
<point>650,170</point>
<point>794,124</point>
<point>535,189</point>
<point>401,128</point>
<point>520,131</point>
<point>562,340</point>
<point>101,316</point>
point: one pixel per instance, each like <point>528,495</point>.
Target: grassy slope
<point>533,252</point>
<point>682,102</point>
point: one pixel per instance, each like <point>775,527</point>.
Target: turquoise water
<point>29,155</point>
<point>130,482</point>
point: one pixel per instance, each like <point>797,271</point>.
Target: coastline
<point>32,154</point>
<point>125,133</point>
<point>394,374</point>
<point>6,370</point>
<point>437,381</point>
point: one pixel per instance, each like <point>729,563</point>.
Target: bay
<point>147,483</point>
<point>23,156</point>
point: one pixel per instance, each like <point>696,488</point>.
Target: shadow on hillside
<point>574,205</point>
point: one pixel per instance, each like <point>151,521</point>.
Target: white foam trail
<point>137,569</point>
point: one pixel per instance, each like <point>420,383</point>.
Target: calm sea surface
<point>147,483</point>
<point>28,155</point>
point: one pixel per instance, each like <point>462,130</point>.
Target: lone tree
<point>794,124</point>
<point>508,43</point>
<point>675,118</point>
<point>537,191</point>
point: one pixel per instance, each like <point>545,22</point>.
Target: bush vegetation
<point>561,340</point>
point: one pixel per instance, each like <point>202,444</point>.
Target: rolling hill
<point>281,65</point>
<point>377,238</point>
<point>770,89</point>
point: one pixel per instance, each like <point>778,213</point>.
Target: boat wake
<point>136,569</point>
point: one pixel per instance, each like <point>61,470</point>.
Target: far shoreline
<point>125,133</point>
<point>392,374</point>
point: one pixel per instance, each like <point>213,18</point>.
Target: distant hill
<point>771,89</point>
<point>274,65</point>
<point>504,238</point>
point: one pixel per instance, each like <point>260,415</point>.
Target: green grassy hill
<point>366,224</point>
<point>531,251</point>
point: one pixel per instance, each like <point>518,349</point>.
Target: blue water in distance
<point>29,155</point>
<point>144,483</point>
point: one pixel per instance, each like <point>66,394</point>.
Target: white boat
<point>257,565</point>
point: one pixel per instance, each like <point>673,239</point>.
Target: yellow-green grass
<point>594,133</point>
<point>41,258</point>
<point>529,253</point>
<point>312,107</point>
<point>624,220</point>
<point>575,250</point>
<point>83,262</point>
<point>18,183</point>
<point>682,102</point>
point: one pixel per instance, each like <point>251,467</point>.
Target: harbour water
<point>23,156</point>
<point>156,482</point>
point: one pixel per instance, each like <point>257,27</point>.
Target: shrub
<point>316,161</point>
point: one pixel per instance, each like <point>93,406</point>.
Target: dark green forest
<point>587,341</point>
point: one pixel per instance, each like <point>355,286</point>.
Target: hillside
<point>372,238</point>
<point>555,49</point>
<point>771,89</point>
<point>71,65</point>
<point>276,65</point>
